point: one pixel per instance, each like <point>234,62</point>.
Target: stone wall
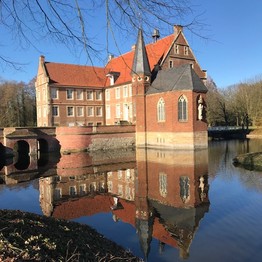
<point>73,139</point>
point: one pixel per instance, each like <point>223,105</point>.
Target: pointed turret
<point>140,62</point>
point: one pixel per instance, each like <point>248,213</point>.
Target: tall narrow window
<point>182,108</point>
<point>79,94</point>
<point>108,113</point>
<point>80,111</point>
<point>117,92</point>
<point>99,95</point>
<point>69,94</point>
<point>184,188</point>
<point>70,111</point>
<point>107,94</point>
<point>186,50</point>
<point>161,110</point>
<point>55,111</point>
<point>89,95</point>
<point>176,49</point>
<point>54,93</point>
<point>163,184</point>
<point>171,64</point>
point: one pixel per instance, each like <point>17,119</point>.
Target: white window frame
<point>118,110</point>
<point>82,111</point>
<point>107,94</point>
<point>54,93</point>
<point>99,95</point>
<point>69,94</point>
<point>161,111</point>
<point>67,111</point>
<point>92,111</point>
<point>108,112</point>
<point>79,94</point>
<point>117,93</point>
<point>125,91</point>
<point>57,111</point>
<point>99,111</point>
<point>90,95</point>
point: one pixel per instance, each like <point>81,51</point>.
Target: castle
<point>158,87</point>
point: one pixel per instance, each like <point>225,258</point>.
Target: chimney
<point>110,57</point>
<point>177,29</point>
<point>155,35</point>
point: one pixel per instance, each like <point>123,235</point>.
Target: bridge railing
<point>224,128</point>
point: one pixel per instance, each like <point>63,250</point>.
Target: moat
<point>166,205</point>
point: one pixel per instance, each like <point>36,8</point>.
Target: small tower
<point>141,78</point>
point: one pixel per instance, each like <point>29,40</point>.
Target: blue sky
<point>231,54</point>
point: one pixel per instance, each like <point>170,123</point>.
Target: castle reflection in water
<point>162,194</point>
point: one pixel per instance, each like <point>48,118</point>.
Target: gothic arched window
<point>182,108</point>
<point>161,116</point>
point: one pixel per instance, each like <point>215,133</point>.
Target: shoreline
<point>26,236</point>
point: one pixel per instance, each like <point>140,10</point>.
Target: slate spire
<point>140,62</point>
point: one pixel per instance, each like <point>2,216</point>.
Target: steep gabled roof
<point>177,78</point>
<point>75,75</point>
<point>123,64</point>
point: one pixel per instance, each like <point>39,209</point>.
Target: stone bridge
<point>26,148</point>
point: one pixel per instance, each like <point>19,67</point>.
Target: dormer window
<point>113,76</point>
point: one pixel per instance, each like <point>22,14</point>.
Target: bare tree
<point>70,22</point>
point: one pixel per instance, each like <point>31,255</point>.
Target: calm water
<point>166,205</point>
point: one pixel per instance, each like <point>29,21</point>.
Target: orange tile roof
<point>76,75</point>
<point>90,76</point>
<point>123,63</point>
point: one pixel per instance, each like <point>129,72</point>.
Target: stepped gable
<point>123,64</point>
<point>76,75</point>
<point>177,78</point>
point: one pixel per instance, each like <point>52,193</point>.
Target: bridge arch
<point>22,158</point>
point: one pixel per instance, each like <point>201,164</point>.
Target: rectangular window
<point>108,113</point>
<point>117,111</point>
<point>70,111</point>
<point>69,94</point>
<point>99,95</point>
<point>79,94</point>
<point>80,111</point>
<point>58,193</point>
<point>107,94</point>
<point>89,95</point>
<point>130,90</point>
<point>82,189</point>
<point>72,190</point>
<point>177,49</point>
<point>171,64</point>
<point>55,111</point>
<point>54,93</point>
<point>90,124</point>
<point>99,111</point>
<point>117,92</point>
<point>90,111</point>
<point>125,91</point>
<point>186,50</point>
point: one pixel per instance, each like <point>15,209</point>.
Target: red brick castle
<point>158,87</point>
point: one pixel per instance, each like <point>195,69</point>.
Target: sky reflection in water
<point>226,228</point>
